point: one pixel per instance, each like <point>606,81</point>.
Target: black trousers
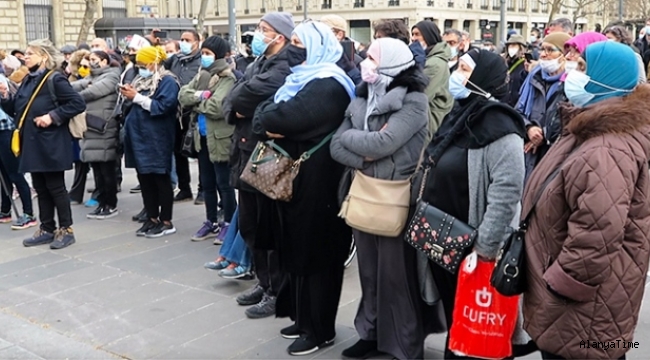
<point>52,197</point>
<point>157,195</point>
<point>265,262</point>
<point>105,183</point>
<point>182,163</point>
<point>316,302</point>
<point>549,356</point>
<point>79,183</point>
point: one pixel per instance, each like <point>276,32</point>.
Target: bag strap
<point>514,66</point>
<point>307,154</point>
<point>524,222</point>
<point>31,100</point>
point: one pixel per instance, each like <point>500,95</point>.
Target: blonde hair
<point>75,59</point>
<point>45,48</point>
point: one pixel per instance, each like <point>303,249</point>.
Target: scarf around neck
<point>150,84</point>
<point>206,74</point>
<point>527,93</point>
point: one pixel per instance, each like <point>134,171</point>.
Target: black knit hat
<point>217,45</point>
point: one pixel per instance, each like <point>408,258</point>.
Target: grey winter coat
<point>100,93</point>
<point>395,149</point>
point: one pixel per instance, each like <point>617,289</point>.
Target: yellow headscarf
<point>151,55</point>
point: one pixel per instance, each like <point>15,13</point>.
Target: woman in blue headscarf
<point>312,241</point>
<point>588,239</point>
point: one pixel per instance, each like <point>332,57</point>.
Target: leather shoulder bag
<point>15,136</point>
<point>271,170</point>
<point>440,236</point>
<point>509,275</point>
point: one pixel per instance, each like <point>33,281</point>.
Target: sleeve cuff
<point>567,286</point>
<point>143,101</point>
<point>56,119</point>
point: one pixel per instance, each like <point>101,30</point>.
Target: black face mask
<point>34,68</point>
<point>296,55</point>
<point>132,58</point>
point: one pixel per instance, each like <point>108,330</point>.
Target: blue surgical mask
<point>457,86</point>
<point>258,46</point>
<point>454,52</point>
<point>186,47</point>
<point>575,88</point>
<point>206,61</point>
<point>145,73</point>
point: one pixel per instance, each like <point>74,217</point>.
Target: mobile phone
<point>160,34</point>
<point>528,56</point>
<point>348,49</point>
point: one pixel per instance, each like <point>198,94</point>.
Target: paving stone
<point>16,352</point>
<point>106,331</point>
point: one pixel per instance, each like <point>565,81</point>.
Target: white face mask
<point>575,88</point>
<point>550,66</point>
<point>570,66</point>
<point>513,51</point>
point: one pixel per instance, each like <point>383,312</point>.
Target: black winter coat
<point>262,79</point>
<point>45,149</point>
<point>184,67</point>
<point>309,235</point>
<point>518,75</point>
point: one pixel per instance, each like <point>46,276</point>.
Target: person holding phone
<point>516,60</point>
<point>350,60</point>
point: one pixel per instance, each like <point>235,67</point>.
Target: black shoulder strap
<point>52,90</point>
<point>524,222</point>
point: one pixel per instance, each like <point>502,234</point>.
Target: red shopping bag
<point>483,319</point>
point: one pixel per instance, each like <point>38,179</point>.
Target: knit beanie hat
<point>335,22</point>
<point>557,39</point>
<point>282,22</point>
<point>151,55</point>
<point>217,45</point>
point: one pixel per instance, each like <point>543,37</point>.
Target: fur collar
<point>412,79</point>
<point>612,116</point>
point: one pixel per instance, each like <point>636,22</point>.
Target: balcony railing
<point>326,6</point>
<point>247,11</point>
<point>263,10</point>
<point>298,7</point>
<point>430,3</point>
<point>359,5</point>
<point>450,4</point>
<point>485,7</point>
<point>393,3</point>
<point>470,5</point>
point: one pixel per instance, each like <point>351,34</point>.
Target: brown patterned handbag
<point>271,170</point>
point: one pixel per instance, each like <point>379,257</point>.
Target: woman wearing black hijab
<point>427,34</point>
<point>477,165</point>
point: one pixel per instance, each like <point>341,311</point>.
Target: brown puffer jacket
<point>588,239</point>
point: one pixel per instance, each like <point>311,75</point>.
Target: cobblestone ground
<point>113,295</point>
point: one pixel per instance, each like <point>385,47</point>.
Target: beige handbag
<point>376,206</point>
<point>78,126</point>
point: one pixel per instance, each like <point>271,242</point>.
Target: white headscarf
<point>393,57</point>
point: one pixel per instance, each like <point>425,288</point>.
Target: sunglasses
<point>84,66</point>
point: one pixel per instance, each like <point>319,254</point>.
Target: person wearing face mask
<point>436,69</point>
<point>643,44</point>
<point>261,81</point>
<point>45,145</point>
<point>454,39</point>
<point>204,96</point>
<point>587,243</point>
<point>621,35</point>
<point>383,137</point>
<point>350,65</point>
<point>185,65</point>
<point>516,61</point>
<point>298,124</point>
<point>100,142</point>
<point>150,128</point>
<point>476,167</point>
<point>99,44</point>
<point>540,96</point>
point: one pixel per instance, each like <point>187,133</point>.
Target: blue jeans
<point>215,177</point>
<point>10,175</point>
<point>174,175</point>
<point>234,248</point>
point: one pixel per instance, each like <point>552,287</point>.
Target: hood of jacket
<point>629,114</point>
<point>412,79</point>
<point>440,50</point>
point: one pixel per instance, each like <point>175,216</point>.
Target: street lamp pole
<point>304,9</point>
<point>620,10</point>
<point>503,26</point>
<point>232,24</point>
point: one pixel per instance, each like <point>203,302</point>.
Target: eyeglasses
<point>548,49</point>
<point>84,66</point>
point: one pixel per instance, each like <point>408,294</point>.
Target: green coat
<point>436,69</point>
<point>219,133</point>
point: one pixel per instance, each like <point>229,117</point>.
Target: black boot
<point>363,349</point>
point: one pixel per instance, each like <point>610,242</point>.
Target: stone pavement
<point>113,295</point>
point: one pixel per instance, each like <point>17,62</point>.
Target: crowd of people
<point>556,126</point>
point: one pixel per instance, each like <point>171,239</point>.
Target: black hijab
<point>429,31</point>
<point>477,121</point>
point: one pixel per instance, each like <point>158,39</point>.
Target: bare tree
<point>554,7</point>
<point>201,16</point>
<point>88,21</point>
<point>583,8</point>
<point>637,9</point>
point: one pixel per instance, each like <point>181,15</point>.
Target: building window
<point>327,4</point>
<point>534,5</point>
<point>511,5</point>
<point>485,4</point>
<point>496,5</point>
<point>114,9</point>
<point>39,19</point>
<point>545,7</point>
<point>522,5</point>
<point>393,2</point>
<point>359,4</point>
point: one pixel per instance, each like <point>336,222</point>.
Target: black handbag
<point>509,275</point>
<point>187,147</point>
<point>440,236</point>
<point>96,123</point>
